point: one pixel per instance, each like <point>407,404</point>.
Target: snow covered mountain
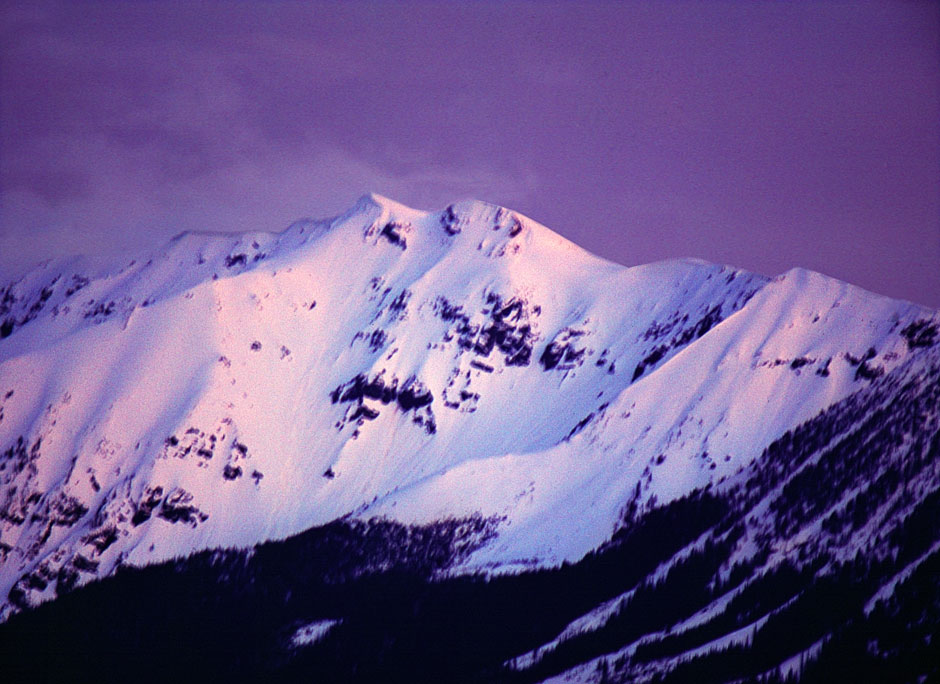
<point>471,374</point>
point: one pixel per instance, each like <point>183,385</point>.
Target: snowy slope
<point>391,362</point>
<point>819,562</point>
<point>794,349</point>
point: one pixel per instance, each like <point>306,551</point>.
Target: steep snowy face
<point>414,365</point>
<point>800,344</point>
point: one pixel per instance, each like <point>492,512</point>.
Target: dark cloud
<point>765,135</point>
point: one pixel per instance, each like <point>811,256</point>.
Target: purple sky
<point>761,134</point>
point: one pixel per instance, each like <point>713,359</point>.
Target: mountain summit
<point>467,367</point>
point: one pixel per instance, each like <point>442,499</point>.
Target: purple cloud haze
<point>763,135</point>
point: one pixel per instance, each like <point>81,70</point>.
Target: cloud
<point>128,203</point>
<point>761,135</point>
<point>121,127</point>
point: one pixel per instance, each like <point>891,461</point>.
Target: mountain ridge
<point>410,365</point>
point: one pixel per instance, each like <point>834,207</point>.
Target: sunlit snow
<point>234,388</point>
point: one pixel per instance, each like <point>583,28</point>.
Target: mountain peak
<point>470,372</point>
<point>398,362</point>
